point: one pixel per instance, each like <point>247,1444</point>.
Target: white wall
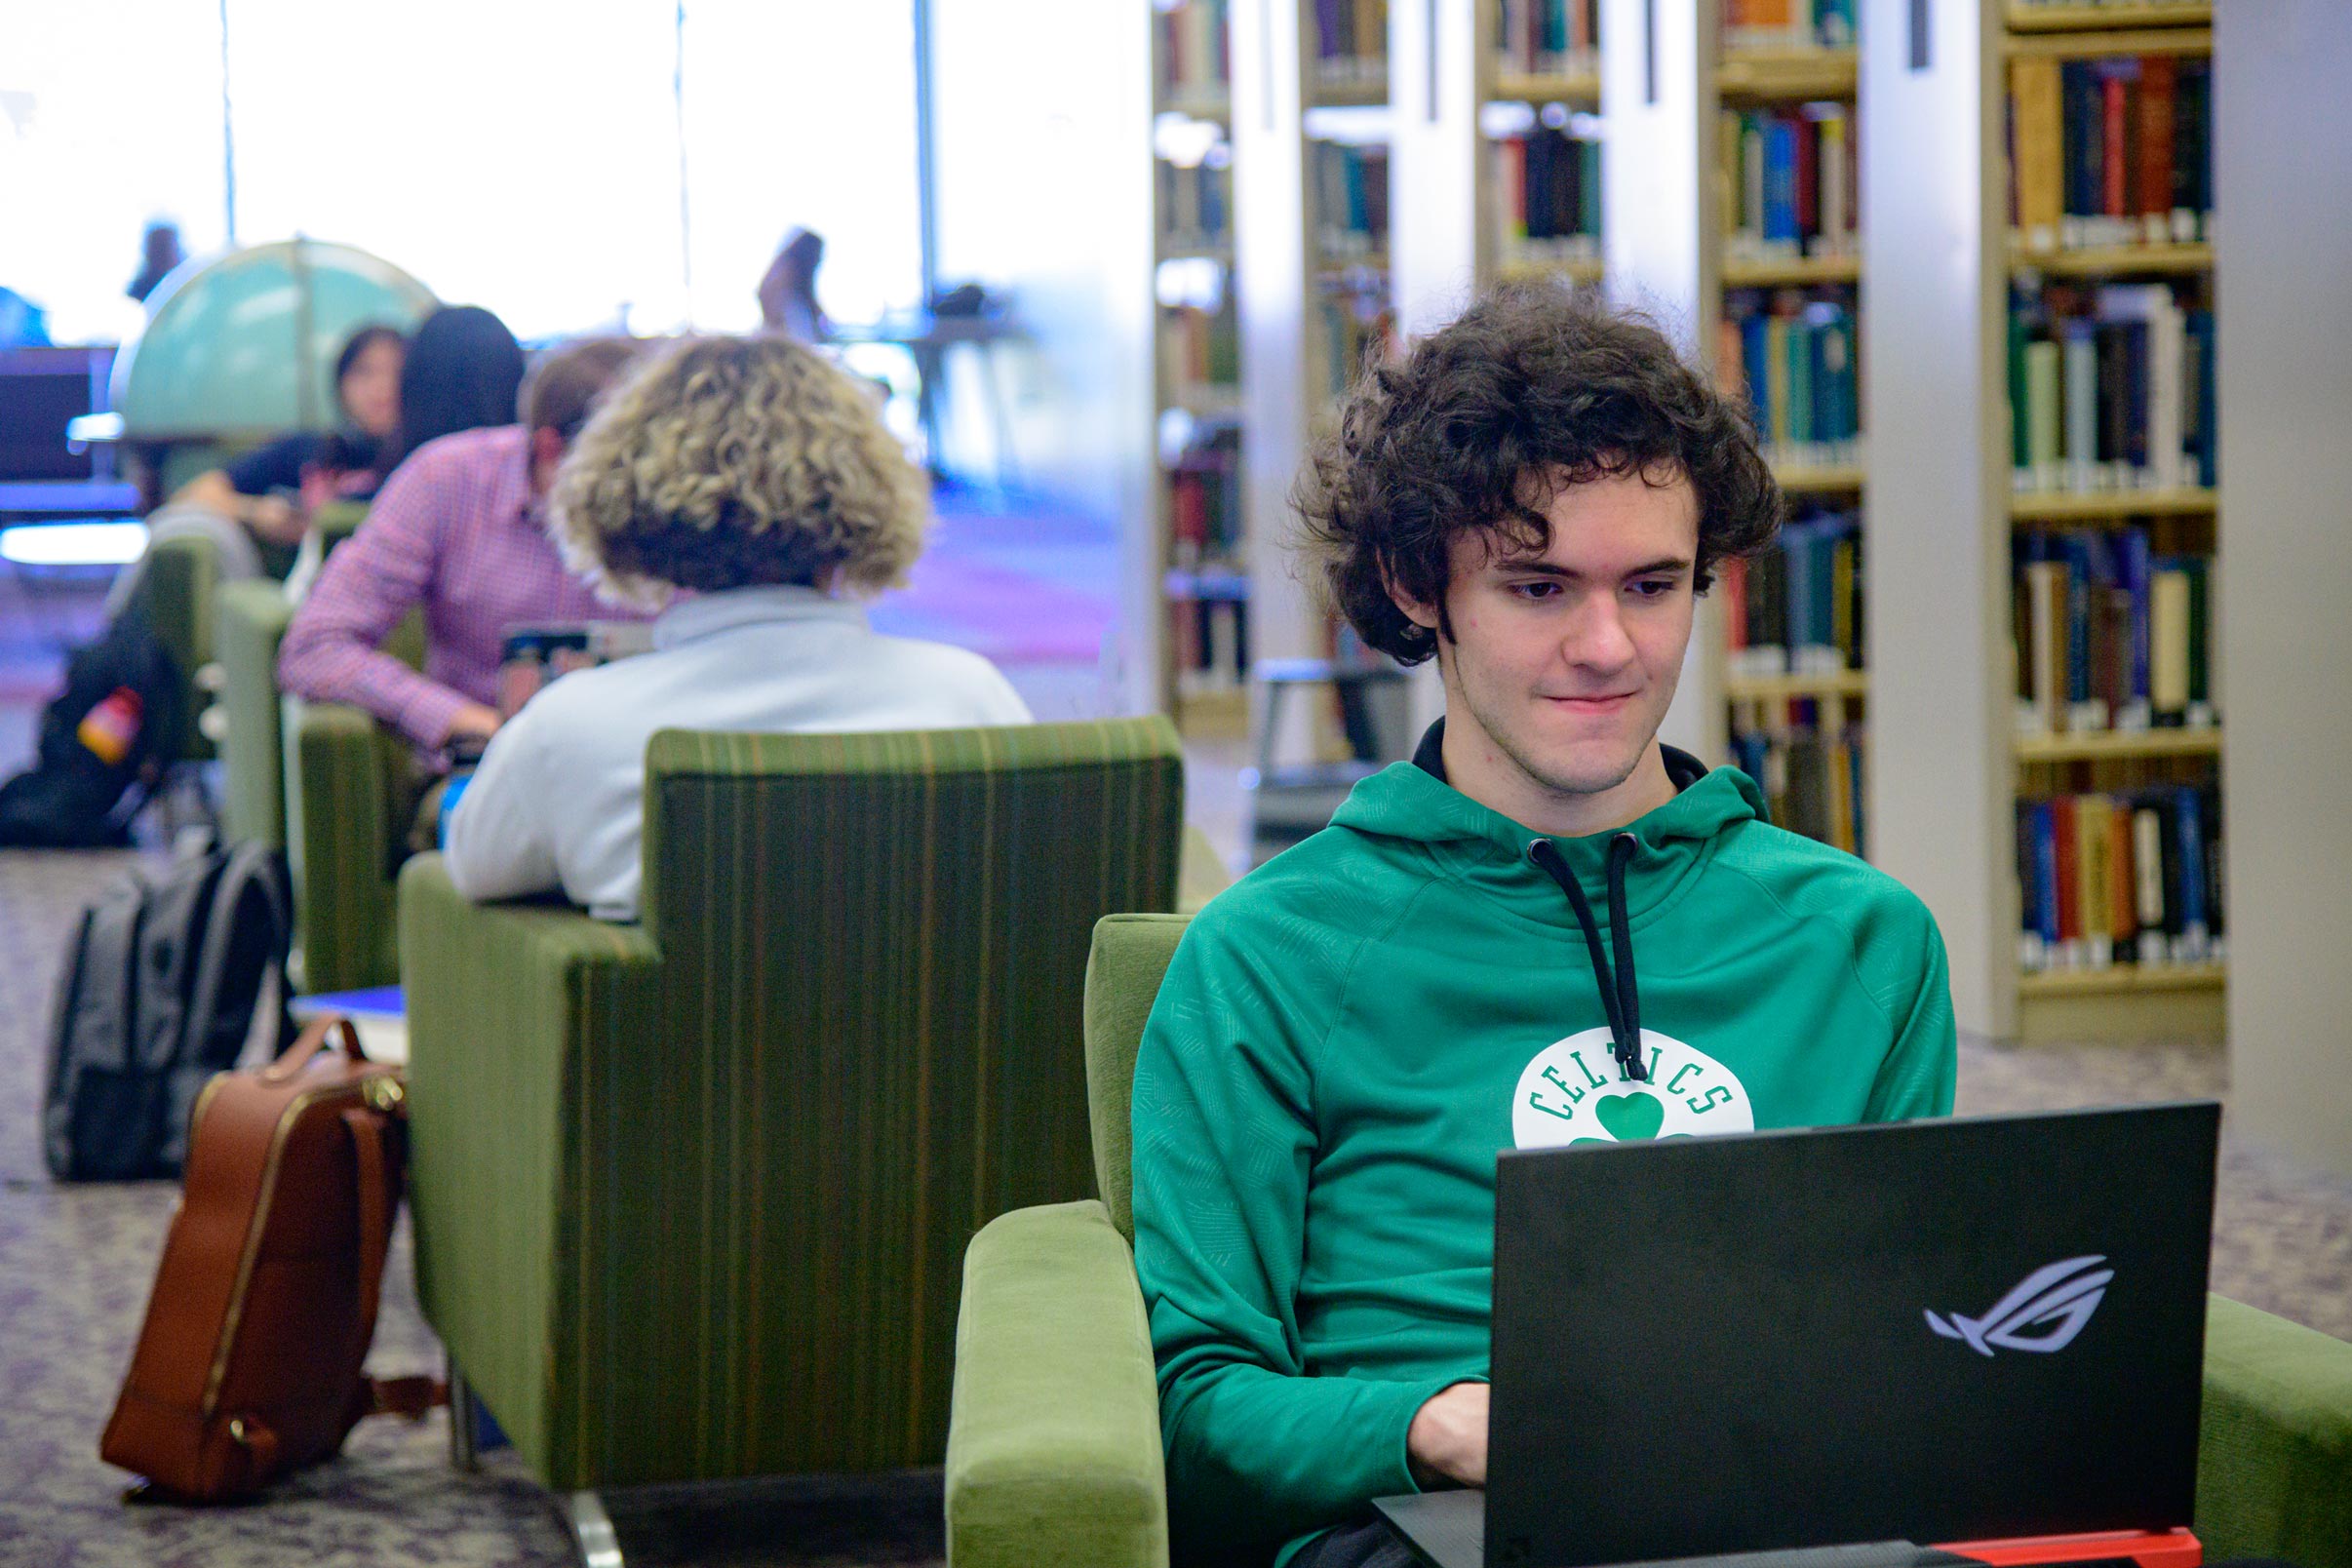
<point>1042,146</point>
<point>2283,184</point>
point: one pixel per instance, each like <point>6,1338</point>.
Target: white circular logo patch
<point>1575,1092</point>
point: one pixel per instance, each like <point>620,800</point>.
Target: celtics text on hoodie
<point>1348,1038</point>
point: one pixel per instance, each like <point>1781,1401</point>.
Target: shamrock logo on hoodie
<point>1573,1091</point>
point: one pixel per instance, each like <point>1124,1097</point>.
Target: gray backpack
<point>161,986</point>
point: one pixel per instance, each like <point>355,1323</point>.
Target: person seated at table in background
<point>259,489</point>
<point>251,505</point>
<point>463,373</point>
<point>457,532</point>
<point>756,475</point>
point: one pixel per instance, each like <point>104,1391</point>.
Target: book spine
<point>2200,618</point>
<point>2114,147</point>
<point>2069,882</point>
<point>2189,838</point>
<point>2046,882</point>
<point>2147,869</point>
<point>1780,181</point>
<point>2169,636</point>
<point>2153,147</point>
<point>2122,889</point>
<point>1836,218</point>
<point>2096,878</point>
<point>2036,122</point>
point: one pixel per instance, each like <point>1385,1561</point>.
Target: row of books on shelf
<point>1195,49</point>
<point>1796,608</point>
<point>1548,195</point>
<point>2111,151</point>
<point>1201,349</point>
<point>1196,205</point>
<point>1359,328</point>
<point>1208,631</point>
<point>2111,636</point>
<point>2124,878</point>
<point>1812,778</point>
<point>1548,37</point>
<point>1797,361</point>
<point>1350,186</point>
<point>2111,389</point>
<point>1788,23</point>
<point>1791,181</point>
<point>1351,42</point>
<point>1205,502</point>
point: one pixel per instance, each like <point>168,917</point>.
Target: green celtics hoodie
<point>1348,1037</point>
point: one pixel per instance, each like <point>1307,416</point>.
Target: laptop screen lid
<point>1936,1330</point>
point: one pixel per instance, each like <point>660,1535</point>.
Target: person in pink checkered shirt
<point>457,532</point>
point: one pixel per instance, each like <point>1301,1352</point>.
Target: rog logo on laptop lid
<point>2061,1296</point>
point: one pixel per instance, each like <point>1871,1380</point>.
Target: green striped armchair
<point>1054,1454</point>
<point>324,782</point>
<point>691,1195</point>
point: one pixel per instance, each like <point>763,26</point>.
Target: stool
<point>1292,801</point>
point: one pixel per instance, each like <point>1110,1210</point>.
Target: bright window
<point>525,155</point>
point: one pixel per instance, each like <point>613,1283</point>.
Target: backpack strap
<point>249,865</point>
<point>372,1130</point>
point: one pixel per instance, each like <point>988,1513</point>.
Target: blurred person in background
<point>159,252</point>
<point>788,301</point>
<point>462,373</point>
<point>270,488</point>
<point>265,497</point>
<point>457,533</point>
<point>749,486</point>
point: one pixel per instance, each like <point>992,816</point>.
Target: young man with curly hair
<point>1545,928</point>
<point>756,475</point>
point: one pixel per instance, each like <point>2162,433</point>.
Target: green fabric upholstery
<point>174,598</point>
<point>248,621</point>
<point>1131,954</point>
<point>1061,1472</point>
<point>766,1124</point>
<point>2274,1464</point>
<point>345,820</point>
<point>326,783</point>
<point>2274,1457</point>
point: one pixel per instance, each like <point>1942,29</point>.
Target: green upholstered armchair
<point>692,1196</point>
<point>323,781</point>
<point>1054,1453</point>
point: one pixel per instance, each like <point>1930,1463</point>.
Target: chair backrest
<point>872,952</point>
<point>1130,957</point>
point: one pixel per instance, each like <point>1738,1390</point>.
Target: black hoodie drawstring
<point>1620,998</point>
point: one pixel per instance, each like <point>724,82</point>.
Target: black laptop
<point>1850,1337</point>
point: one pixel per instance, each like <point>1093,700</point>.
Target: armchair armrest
<point>1053,1446</point>
<point>248,621</point>
<point>344,795</point>
<point>2274,1457</point>
<point>514,1011</point>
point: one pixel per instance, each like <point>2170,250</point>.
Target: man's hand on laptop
<point>1447,1440</point>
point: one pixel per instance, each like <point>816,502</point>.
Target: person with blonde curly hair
<point>747,489</point>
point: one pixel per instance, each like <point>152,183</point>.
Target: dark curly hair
<point>1528,381</point>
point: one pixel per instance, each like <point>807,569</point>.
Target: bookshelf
<point>1311,192</point>
<point>1201,550</point>
<point>2048,742</point>
<point>1731,216</point>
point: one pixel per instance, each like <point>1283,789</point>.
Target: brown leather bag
<point>248,1363</point>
